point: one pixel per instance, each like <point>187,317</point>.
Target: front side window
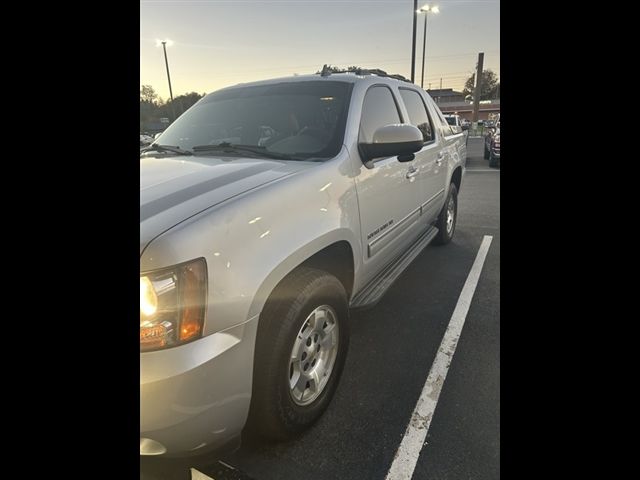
<point>417,110</point>
<point>378,110</point>
<point>298,119</point>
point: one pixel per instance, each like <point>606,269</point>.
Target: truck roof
<point>347,77</point>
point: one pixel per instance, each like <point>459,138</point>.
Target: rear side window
<point>446,128</point>
<point>418,115</point>
<point>378,110</point>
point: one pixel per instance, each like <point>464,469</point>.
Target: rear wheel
<point>301,348</point>
<point>446,222</point>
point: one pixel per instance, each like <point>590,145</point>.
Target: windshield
<point>451,120</point>
<point>299,119</point>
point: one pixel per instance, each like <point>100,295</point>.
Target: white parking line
<point>485,170</point>
<point>406,457</point>
<point>198,475</point>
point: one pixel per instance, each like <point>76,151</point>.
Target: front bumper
<point>196,397</point>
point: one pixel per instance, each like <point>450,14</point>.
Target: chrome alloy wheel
<point>313,355</point>
<point>451,213</point>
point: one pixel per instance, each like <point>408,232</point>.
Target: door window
<point>418,115</point>
<point>378,110</point>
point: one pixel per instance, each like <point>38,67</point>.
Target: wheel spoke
<point>318,319</point>
<point>295,378</point>
<point>328,340</point>
<point>330,327</point>
<point>306,331</point>
<point>314,381</point>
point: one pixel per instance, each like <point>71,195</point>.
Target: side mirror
<point>400,140</point>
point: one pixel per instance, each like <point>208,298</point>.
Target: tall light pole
<point>413,43</point>
<point>426,9</point>
<point>166,62</point>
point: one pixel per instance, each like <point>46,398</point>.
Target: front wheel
<point>446,222</point>
<point>302,343</point>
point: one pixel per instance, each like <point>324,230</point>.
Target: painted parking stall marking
<point>198,475</point>
<point>407,454</point>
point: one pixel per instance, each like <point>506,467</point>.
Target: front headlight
<point>172,305</point>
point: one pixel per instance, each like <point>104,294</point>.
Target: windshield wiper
<point>166,148</point>
<point>233,148</point>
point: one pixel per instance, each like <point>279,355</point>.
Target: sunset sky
<point>217,43</point>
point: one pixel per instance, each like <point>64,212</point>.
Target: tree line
<point>153,107</point>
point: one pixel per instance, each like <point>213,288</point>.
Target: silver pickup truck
<point>268,211</point>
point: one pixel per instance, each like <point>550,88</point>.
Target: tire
<point>445,232</point>
<point>285,319</point>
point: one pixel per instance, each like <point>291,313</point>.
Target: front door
<point>430,161</point>
<point>387,191</point>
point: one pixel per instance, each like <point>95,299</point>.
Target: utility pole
<point>478,87</point>
<point>413,45</point>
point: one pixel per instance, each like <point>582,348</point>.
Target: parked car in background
<point>455,121</point>
<point>492,147</point>
<point>145,140</point>
<point>267,211</point>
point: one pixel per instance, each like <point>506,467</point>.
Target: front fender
<point>252,241</point>
<point>297,258</point>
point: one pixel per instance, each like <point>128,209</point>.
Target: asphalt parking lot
<point>393,347</point>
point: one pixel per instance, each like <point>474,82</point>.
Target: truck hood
<point>173,189</point>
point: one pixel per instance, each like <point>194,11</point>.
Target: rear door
<point>453,144</point>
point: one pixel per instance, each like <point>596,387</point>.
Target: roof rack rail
<point>326,71</point>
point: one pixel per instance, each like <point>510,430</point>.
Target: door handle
<point>439,159</point>
<point>412,173</point>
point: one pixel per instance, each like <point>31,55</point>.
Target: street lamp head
<point>166,42</point>
<point>428,8</point>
